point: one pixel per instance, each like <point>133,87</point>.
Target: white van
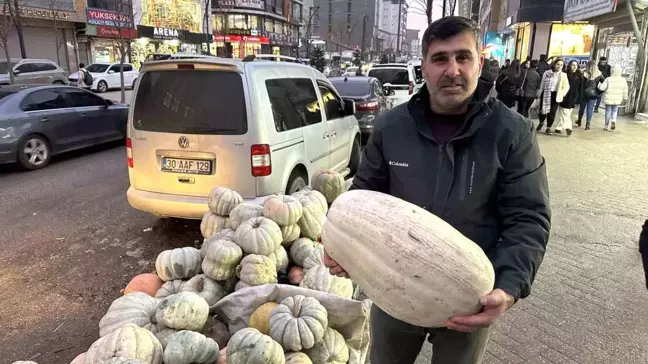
<point>396,77</point>
<point>259,128</point>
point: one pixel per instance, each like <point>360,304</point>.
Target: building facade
<point>48,31</point>
<point>393,24</point>
<point>244,27</point>
<point>411,46</point>
<point>339,24</point>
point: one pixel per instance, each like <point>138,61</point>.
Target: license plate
<point>190,166</point>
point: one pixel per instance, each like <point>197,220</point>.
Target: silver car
<point>32,72</point>
<point>40,121</point>
<point>259,128</point>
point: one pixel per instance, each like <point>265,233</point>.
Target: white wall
<point>541,43</point>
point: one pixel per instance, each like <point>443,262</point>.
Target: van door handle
<point>334,133</point>
<point>82,114</point>
<point>189,180</point>
<point>45,118</point>
<point>326,135</point>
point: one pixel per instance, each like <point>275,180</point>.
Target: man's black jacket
<point>489,181</point>
<point>643,249</point>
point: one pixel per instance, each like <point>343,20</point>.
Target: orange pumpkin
<point>147,283</point>
<point>296,275</point>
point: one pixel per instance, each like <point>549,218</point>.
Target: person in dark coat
<point>590,95</point>
<point>507,84</point>
<point>606,71</point>
<point>571,99</point>
<point>543,64</point>
<point>643,249</point>
<point>530,84</point>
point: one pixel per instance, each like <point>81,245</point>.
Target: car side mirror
<point>349,107</point>
<point>109,102</point>
<point>111,72</point>
<point>16,72</point>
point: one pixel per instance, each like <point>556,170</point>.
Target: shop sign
<point>182,35</point>
<point>585,9</point>
<point>254,4</point>
<point>243,39</point>
<point>44,14</point>
<point>108,18</point>
<point>112,32</point>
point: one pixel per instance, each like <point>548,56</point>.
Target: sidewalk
<point>589,303</point>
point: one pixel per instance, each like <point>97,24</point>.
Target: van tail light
<point>367,106</point>
<point>411,87</point>
<point>129,152</point>
<point>261,162</point>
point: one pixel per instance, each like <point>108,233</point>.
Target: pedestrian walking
<point>554,87</point>
<point>543,64</point>
<point>606,71</point>
<point>507,64</point>
<point>615,93</point>
<point>571,99</point>
<point>82,77</point>
<point>643,249</point>
<point>530,85</point>
<point>508,83</point>
<point>508,215</point>
<point>592,77</point>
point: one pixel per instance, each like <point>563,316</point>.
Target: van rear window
<point>191,102</point>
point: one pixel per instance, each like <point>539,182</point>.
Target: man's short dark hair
<point>602,59</point>
<point>81,65</point>
<point>534,63</point>
<point>449,27</point>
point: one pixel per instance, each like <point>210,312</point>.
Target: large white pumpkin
<point>129,341</point>
<point>212,224</point>
<point>284,210</point>
<point>222,200</point>
<point>258,235</point>
<point>134,308</point>
<point>413,265</point>
<point>244,212</point>
<point>318,278</point>
<point>179,263</point>
<point>249,346</point>
<point>183,311</point>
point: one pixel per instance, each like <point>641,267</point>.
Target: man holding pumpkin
<point>484,174</point>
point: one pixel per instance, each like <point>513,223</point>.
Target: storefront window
<point>269,25</point>
<point>278,27</point>
<point>296,12</point>
<point>175,14</point>
<point>254,22</point>
<point>571,39</point>
<point>237,21</point>
<point>104,51</point>
<point>523,38</point>
<point>218,23</point>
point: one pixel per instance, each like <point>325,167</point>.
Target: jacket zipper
<point>438,179</point>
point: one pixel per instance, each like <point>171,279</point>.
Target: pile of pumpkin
<point>168,317</point>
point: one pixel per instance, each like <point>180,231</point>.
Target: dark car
<point>369,97</point>
<point>38,122</point>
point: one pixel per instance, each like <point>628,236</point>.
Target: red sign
<point>111,32</point>
<point>241,39</point>
<point>108,18</point>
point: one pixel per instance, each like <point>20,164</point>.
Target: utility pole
<point>364,34</point>
<point>398,35</point>
<point>311,12</point>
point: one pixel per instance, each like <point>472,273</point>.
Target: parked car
<point>398,77</point>
<point>350,71</point>
<point>257,127</point>
<point>369,96</point>
<point>41,121</point>
<point>31,72</point>
<point>418,75</point>
<point>105,76</point>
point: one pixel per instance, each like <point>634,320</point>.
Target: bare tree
<point>10,12</point>
<point>54,7</point>
<point>422,7</point>
<point>123,22</point>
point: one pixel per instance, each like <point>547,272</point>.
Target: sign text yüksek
<point>108,18</point>
<point>585,9</point>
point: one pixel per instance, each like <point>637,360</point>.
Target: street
<point>70,242</point>
<point>115,95</point>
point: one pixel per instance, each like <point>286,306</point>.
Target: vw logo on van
<point>183,142</point>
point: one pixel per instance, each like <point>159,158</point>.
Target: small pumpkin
<point>315,257</point>
<point>256,270</point>
<point>188,347</point>
<point>332,349</point>
<point>311,222</point>
<point>207,288</point>
<point>312,199</point>
<point>135,308</point>
<point>183,311</point>
<point>79,359</point>
<point>222,200</point>
<point>221,259</point>
<point>179,263</point>
<point>212,224</point>
<point>164,335</point>
<point>285,210</point>
<point>259,235</point>
<point>296,275</point>
<point>244,212</point>
<point>130,341</point>
<point>329,183</point>
<point>318,278</point>
<point>260,318</point>
<point>300,249</point>
<point>289,234</point>
<point>123,360</point>
<point>297,358</point>
<point>169,288</point>
<point>280,258</point>
<point>249,346</point>
<point>217,330</point>
<point>148,283</point>
<point>298,323</point>
<point>226,234</point>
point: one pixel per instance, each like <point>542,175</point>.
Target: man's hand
<point>334,268</point>
<point>495,304</point>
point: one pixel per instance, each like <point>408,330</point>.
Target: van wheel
<point>296,182</point>
<point>356,156</point>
